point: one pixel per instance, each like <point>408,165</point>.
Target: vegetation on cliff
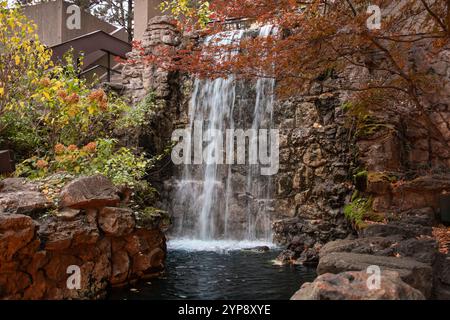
<point>57,123</point>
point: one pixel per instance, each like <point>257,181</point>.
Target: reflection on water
<point>220,274</point>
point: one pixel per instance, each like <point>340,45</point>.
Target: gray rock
<point>414,273</point>
<point>353,286</point>
<point>406,230</point>
<point>421,250</point>
<point>19,196</point>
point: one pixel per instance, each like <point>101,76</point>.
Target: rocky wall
<point>315,157</point>
<point>320,152</point>
<point>92,242</point>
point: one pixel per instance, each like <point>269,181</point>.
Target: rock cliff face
<point>315,166</point>
<point>90,243</point>
<point>315,150</point>
<point>404,156</point>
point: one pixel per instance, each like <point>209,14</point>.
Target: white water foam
<point>219,246</point>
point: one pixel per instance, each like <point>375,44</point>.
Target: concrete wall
<point>51,19</point>
<point>144,10</point>
<point>47,16</point>
<point>89,24</point>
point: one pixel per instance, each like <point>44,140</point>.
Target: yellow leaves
<point>72,112</point>
<point>91,109</point>
<point>46,95</point>
<point>2,91</point>
<point>17,60</point>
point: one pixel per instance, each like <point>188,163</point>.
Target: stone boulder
<point>89,192</point>
<point>16,232</point>
<point>17,184</point>
<point>116,221</point>
<point>57,234</point>
<point>19,196</point>
<point>353,286</point>
<point>397,228</point>
<point>441,290</point>
<point>416,274</point>
<point>421,192</point>
<point>422,250</point>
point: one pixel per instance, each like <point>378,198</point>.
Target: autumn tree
<point>23,59</point>
<point>335,44</point>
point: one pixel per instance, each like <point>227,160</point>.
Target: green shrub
<point>121,165</point>
<point>357,210</point>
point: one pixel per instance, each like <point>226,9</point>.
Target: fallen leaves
<point>442,235</point>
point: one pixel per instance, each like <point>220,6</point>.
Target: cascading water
<point>219,209</point>
<point>218,201</point>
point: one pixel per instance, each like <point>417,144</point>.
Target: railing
<point>99,66</point>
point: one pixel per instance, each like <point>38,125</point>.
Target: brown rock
<point>89,192</point>
<point>17,184</point>
<point>353,286</point>
<point>421,193</point>
<point>68,213</point>
<point>23,202</point>
<point>120,267</point>
<point>116,221</point>
<point>16,232</point>
<point>60,235</point>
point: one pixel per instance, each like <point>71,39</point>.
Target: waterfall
<point>206,202</point>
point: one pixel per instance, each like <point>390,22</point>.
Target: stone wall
<point>315,158</point>
<point>142,80</point>
<point>315,167</point>
<point>319,151</point>
<point>92,231</point>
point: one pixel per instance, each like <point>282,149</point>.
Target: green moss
<point>357,211</point>
<point>346,106</point>
<point>153,218</point>
<point>380,177</point>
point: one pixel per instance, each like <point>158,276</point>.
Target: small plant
<point>357,211</point>
<point>139,115</point>
<point>153,218</point>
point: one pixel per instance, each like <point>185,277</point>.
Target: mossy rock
<point>153,218</point>
<point>358,210</point>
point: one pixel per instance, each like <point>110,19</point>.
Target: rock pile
<point>92,232</point>
<point>404,248</point>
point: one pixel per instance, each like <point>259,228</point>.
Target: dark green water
<point>214,275</point>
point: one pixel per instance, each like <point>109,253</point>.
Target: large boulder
<point>414,273</point>
<point>89,192</point>
<point>441,288</point>
<point>354,286</point>
<point>116,221</point>
<point>17,184</point>
<point>57,234</point>
<point>422,250</point>
<point>19,196</point>
<point>16,232</point>
<point>421,192</point>
<point>402,228</point>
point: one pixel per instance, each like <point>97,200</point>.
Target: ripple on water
<point>220,246</point>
